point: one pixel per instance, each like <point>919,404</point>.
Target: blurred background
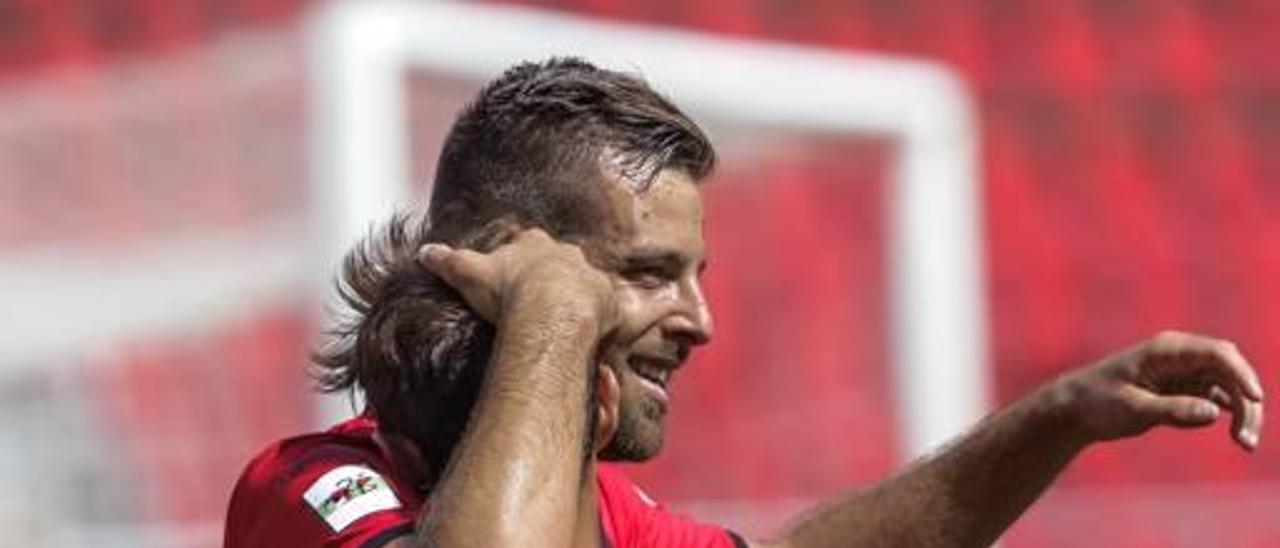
<point>163,252</point>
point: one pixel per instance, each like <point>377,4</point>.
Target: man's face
<point>656,255</point>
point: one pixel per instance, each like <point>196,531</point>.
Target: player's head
<point>589,155</point>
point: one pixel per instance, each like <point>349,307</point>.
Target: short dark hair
<point>533,148</point>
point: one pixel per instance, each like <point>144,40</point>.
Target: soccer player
<point>524,335</point>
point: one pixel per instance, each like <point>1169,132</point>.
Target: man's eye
<point>646,277</point>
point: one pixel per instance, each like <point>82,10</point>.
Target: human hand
<point>527,264</point>
<point>1176,379</point>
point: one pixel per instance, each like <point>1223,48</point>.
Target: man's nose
<point>693,322</point>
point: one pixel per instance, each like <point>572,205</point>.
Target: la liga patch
<point>348,493</point>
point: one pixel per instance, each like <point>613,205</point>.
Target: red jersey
<point>338,489</point>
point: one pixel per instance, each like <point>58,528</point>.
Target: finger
<point>1246,419</point>
<point>1220,397</point>
<point>535,234</point>
<point>466,272</point>
<point>1241,370</point>
<point>1247,423</point>
<point>458,267</point>
<point>1180,411</point>
<point>1225,359</point>
<point>433,253</point>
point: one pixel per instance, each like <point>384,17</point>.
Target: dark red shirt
<point>337,488</point>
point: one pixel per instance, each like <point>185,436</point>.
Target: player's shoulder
<point>315,486</point>
<point>286,461</point>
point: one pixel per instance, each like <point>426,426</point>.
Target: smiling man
<point>523,337</point>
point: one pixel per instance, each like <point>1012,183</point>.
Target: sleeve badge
<point>348,493</point>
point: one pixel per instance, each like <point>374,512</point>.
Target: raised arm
<point>970,491</point>
<point>516,478</point>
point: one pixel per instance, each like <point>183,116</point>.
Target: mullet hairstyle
<point>532,150</point>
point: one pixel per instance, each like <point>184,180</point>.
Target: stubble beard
<point>641,424</point>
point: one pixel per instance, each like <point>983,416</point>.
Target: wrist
<point>1059,405</point>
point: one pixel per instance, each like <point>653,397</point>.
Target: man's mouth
<point>654,375</point>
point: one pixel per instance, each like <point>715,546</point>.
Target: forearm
<point>970,491</point>
<point>516,475</point>
<point>966,494</point>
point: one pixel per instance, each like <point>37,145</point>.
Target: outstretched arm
<point>970,491</point>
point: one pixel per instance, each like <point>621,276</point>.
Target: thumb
<point>434,255</point>
<point>465,271</point>
<point>443,261</point>
<point>1180,411</point>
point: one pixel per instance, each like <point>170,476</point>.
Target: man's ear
<point>609,398</point>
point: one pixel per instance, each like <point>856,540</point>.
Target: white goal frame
<point>359,51</point>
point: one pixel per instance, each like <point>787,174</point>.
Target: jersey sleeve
<point>323,497</point>
<point>633,520</point>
